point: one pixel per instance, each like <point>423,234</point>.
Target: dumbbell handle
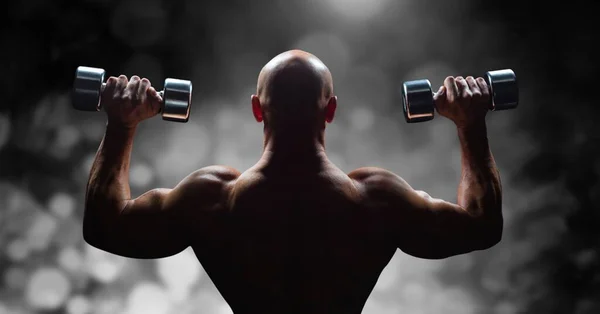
<point>178,99</point>
<point>421,95</point>
<point>175,98</point>
<point>418,95</point>
<point>160,93</point>
<point>500,77</point>
<point>490,102</point>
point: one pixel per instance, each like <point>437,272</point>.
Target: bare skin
<point>294,233</point>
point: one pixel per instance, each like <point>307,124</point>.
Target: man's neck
<point>301,153</point>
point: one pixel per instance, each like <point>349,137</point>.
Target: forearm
<point>480,191</point>
<point>108,185</point>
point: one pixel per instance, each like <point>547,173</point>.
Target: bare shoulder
<point>208,183</point>
<point>383,188</point>
<point>216,174</point>
<point>387,188</point>
<point>373,179</point>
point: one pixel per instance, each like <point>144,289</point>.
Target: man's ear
<point>330,109</point>
<point>256,108</point>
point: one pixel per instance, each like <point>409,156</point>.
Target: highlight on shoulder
<point>212,177</point>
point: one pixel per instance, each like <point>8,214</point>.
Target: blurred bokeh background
<point>547,262</point>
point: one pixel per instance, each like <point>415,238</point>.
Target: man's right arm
<point>432,228</point>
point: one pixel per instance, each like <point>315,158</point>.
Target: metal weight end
<point>177,100</point>
<point>504,90</point>
<point>417,101</point>
<point>87,88</point>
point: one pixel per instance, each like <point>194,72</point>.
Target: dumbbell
<point>89,84</point>
<point>419,106</point>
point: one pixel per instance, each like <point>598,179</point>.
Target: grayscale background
<point>546,150</point>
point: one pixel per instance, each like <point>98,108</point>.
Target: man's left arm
<point>157,223</point>
<point>149,226</point>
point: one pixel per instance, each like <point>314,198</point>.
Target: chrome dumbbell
<point>89,83</point>
<point>418,104</point>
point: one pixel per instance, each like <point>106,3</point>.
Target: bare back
<point>293,234</point>
<point>294,244</point>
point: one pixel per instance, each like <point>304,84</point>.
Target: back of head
<point>294,88</point>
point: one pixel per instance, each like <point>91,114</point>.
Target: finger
<point>111,84</point>
<point>463,88</point>
<point>483,87</point>
<point>474,87</point>
<point>120,86</point>
<point>142,88</point>
<point>131,89</point>
<point>451,89</point>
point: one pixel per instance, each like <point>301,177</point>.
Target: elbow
<point>492,240</point>
<point>96,239</point>
<point>492,234</point>
<point>93,231</point>
<point>92,236</point>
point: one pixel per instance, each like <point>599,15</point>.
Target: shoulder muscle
<point>377,182</point>
<point>387,186</point>
<point>204,186</point>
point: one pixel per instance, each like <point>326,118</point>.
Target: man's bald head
<point>294,88</point>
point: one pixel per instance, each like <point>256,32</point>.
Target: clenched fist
<point>128,102</point>
<point>464,101</point>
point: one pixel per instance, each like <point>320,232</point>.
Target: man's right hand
<point>464,101</point>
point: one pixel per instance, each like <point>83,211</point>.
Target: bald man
<point>294,233</point>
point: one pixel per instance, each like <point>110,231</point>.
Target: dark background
<point>546,150</point>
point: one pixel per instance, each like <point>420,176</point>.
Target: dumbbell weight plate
<point>504,90</point>
<point>87,88</point>
<point>417,101</point>
<point>177,100</point>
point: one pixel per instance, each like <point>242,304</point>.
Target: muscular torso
<point>305,242</point>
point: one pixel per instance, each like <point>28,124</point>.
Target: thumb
<point>155,99</point>
<point>441,92</point>
<point>439,98</point>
